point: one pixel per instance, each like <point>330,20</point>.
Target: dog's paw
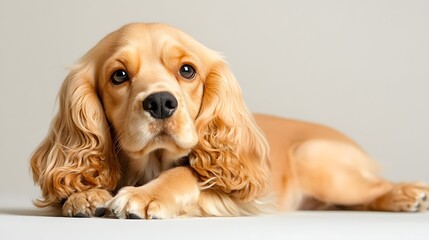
<point>141,203</point>
<point>87,203</point>
<point>404,197</point>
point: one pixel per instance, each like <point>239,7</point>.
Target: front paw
<point>141,203</point>
<point>87,203</point>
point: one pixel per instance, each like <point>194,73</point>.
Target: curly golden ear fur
<point>77,154</point>
<point>232,153</point>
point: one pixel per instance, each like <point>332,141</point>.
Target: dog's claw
<point>133,216</point>
<point>100,211</point>
<point>81,215</point>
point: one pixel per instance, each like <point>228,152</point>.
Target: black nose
<point>160,105</point>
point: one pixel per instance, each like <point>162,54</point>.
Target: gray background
<point>359,66</point>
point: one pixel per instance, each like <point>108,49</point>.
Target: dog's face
<point>151,88</point>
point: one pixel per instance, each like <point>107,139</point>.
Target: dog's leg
<point>174,193</point>
<point>341,174</point>
<point>177,193</point>
<point>87,203</point>
<point>336,173</point>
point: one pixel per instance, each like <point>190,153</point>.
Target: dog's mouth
<point>163,141</point>
<point>162,138</point>
<point>142,136</point>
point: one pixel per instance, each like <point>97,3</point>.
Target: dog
<point>152,125</point>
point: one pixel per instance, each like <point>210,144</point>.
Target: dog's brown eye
<point>187,71</point>
<point>119,77</point>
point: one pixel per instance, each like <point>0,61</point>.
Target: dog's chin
<point>171,147</point>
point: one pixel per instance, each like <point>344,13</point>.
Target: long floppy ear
<point>77,154</point>
<point>232,153</point>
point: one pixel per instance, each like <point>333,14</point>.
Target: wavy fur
<point>77,154</point>
<point>232,153</point>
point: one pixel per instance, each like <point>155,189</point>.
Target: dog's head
<point>147,88</point>
<point>151,85</point>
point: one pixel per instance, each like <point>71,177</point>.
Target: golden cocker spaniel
<point>156,118</point>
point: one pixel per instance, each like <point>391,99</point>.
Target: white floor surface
<point>20,220</point>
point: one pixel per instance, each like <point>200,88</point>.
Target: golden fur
<point>212,157</point>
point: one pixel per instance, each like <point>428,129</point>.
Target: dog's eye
<point>187,71</point>
<point>119,77</point>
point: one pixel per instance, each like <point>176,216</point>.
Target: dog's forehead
<point>156,36</point>
<point>153,36</point>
